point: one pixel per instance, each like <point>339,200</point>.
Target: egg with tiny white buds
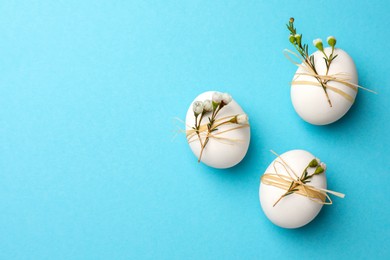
<point>217,130</point>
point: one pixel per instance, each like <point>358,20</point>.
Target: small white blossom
<point>217,97</point>
<point>197,107</point>
<point>226,98</point>
<point>242,119</point>
<point>207,105</point>
<point>323,166</point>
<point>318,44</point>
<point>317,41</point>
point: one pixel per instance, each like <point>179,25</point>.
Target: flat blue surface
<point>88,93</point>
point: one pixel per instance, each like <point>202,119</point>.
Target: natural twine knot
<point>292,183</point>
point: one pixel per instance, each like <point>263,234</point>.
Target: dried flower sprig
<point>308,66</point>
<point>319,167</point>
<point>303,50</point>
<point>214,106</point>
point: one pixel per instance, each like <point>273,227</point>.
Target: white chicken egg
<point>294,210</point>
<point>310,101</point>
<point>227,145</point>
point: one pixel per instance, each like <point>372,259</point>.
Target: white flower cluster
<point>219,97</point>
<point>208,105</point>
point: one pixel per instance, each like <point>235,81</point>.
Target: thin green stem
<point>303,51</point>
<point>223,123</point>
<point>210,128</point>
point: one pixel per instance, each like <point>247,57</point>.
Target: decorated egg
<point>217,130</point>
<point>318,105</point>
<point>292,189</point>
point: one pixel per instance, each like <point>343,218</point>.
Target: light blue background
<point>88,93</point>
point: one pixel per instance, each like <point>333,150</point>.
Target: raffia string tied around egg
<point>323,80</point>
<point>207,131</point>
<point>293,184</point>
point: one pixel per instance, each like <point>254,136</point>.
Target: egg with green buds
<point>293,210</point>
<point>309,98</point>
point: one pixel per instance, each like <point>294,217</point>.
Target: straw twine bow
<point>323,80</point>
<point>294,184</point>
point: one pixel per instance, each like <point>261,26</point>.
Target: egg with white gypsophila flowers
<point>217,130</point>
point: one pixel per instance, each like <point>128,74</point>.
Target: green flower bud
<point>291,19</point>
<point>318,44</point>
<point>215,105</point>
<point>331,41</point>
<point>298,38</point>
<point>319,170</point>
<point>313,163</point>
<point>292,39</point>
